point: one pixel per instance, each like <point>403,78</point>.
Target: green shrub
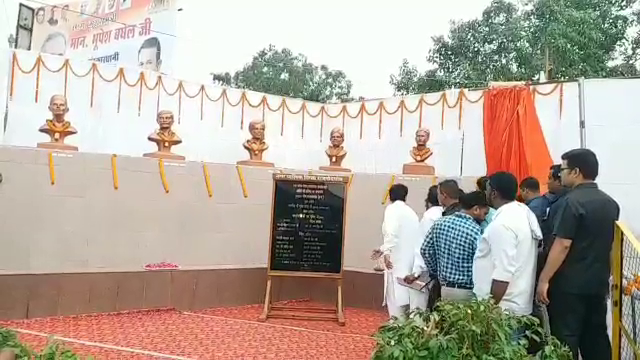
<point>53,351</point>
<point>479,330</point>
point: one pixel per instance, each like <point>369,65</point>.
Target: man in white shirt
<point>504,266</point>
<point>433,212</point>
<point>401,232</point>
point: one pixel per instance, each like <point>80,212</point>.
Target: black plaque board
<point>307,225</point>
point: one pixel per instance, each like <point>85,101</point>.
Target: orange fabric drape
<point>513,137</point>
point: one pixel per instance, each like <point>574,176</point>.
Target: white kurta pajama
<point>418,299</point>
<point>401,232</point>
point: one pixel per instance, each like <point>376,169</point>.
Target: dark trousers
<point>580,322</point>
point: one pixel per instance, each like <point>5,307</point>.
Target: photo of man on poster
<point>149,55</point>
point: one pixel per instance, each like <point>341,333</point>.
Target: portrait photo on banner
<point>129,33</point>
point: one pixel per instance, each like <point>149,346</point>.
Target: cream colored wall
<point>82,224</point>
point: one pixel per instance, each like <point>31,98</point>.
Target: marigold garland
<point>443,100</point>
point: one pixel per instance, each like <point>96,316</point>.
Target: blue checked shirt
<point>449,248</point>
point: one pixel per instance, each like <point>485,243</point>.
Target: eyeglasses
<point>565,168</point>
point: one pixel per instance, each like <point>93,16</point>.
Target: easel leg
<point>267,301</point>
<point>341,320</point>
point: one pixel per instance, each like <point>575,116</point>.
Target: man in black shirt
<point>575,279</point>
<point>448,196</point>
<point>556,198</point>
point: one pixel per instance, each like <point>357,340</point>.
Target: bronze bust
<point>336,151</point>
<point>165,137</point>
<point>256,145</point>
<point>58,128</point>
<point>420,153</point>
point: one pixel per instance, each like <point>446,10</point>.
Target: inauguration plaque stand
<point>307,239</point>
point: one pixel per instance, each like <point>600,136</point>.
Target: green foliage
<point>53,351</point>
<point>454,331</point>
<point>512,41</point>
<point>281,72</point>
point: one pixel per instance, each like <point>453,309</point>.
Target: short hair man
<point>450,246</point>
<point>449,196</point>
<point>575,279</point>
<point>555,197</point>
<point>149,55</point>
<point>505,264</point>
<point>54,44</point>
<point>530,190</point>
<point>401,232</point>
<point>481,185</point>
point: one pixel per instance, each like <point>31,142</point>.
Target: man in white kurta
<point>418,300</point>
<point>400,231</point>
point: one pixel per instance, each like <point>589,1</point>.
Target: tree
<point>280,72</point>
<point>515,42</point>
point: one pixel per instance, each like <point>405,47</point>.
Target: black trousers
<point>580,322</point>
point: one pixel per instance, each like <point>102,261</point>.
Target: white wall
<point>381,148</point>
<point>612,124</point>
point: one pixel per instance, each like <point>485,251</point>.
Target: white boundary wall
<point>375,143</point>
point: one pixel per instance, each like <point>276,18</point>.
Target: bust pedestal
<point>418,168</point>
<point>334,169</point>
<point>257,163</point>
<point>57,136</point>
<point>164,155</point>
<point>57,146</point>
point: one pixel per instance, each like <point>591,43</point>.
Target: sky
<point>365,39</point>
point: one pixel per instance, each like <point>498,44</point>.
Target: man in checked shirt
<point>450,246</point>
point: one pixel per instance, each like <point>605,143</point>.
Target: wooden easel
<point>303,312</point>
<point>335,273</point>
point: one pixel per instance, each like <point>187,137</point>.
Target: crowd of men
<point>548,255</point>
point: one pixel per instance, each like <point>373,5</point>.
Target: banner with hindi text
<point>120,32</point>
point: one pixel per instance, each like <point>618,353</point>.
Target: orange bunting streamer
<point>140,93</point>
<point>66,78</point>
<point>402,107</point>
<point>282,119</point>
<point>444,100</point>
<point>38,66</point>
<point>180,89</point>
<point>94,70</point>
<point>380,122</point>
<point>242,114</point>
<point>561,99</point>
<point>93,84</point>
<point>304,106</point>
<point>14,62</point>
<point>460,110</point>
<point>119,89</point>
<point>158,97</point>
<point>361,119</point>
<point>321,121</point>
<point>201,102</point>
<point>224,100</point>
